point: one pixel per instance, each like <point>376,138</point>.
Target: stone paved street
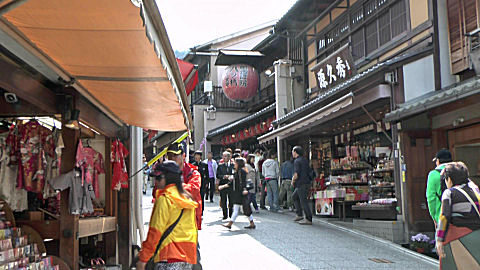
<point>279,243</point>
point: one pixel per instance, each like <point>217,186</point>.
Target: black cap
<point>443,156</point>
<point>176,148</point>
<point>165,167</point>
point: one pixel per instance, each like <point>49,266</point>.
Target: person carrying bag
<point>458,228</point>
<point>172,236</point>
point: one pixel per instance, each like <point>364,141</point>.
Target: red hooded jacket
<point>191,183</point>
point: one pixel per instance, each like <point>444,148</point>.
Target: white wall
<point>221,119</point>
<point>418,78</point>
<point>445,69</point>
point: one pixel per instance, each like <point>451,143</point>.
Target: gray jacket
<point>270,169</point>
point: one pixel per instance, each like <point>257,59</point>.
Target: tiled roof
<point>435,99</point>
<point>220,130</point>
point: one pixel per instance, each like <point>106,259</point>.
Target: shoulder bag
<point>151,264</point>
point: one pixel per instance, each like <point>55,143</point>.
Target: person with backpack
<point>435,187</point>
<point>458,227</point>
<point>172,236</point>
<point>301,181</point>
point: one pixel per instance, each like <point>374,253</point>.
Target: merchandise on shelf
<point>18,253</point>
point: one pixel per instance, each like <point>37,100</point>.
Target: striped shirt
<point>457,210</point>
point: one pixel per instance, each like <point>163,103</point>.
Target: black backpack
<point>443,185</point>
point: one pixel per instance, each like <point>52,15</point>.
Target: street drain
<point>377,260</point>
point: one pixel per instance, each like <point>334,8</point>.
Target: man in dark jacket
<point>203,170</point>
<point>301,181</point>
<point>224,172</point>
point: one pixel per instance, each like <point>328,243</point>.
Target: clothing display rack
<point>64,230</point>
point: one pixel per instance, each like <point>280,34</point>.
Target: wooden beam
<point>69,244</point>
<point>13,79</point>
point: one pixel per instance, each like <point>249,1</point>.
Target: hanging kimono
<point>16,198</point>
<point>120,174</point>
<point>91,163</point>
<point>35,142</point>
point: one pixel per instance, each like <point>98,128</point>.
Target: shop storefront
<point>450,119</point>
<point>72,108</point>
<point>352,149</point>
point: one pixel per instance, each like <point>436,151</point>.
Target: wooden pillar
<point>124,226</point>
<point>111,207</point>
<point>69,249</point>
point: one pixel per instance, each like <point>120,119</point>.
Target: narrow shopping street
<point>279,243</point>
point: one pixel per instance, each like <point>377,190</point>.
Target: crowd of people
<point>181,189</point>
<point>239,176</point>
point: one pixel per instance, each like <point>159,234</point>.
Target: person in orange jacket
<point>191,183</point>
<point>173,205</point>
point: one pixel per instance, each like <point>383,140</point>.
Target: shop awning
<point>329,112</point>
<point>230,57</point>
<point>189,75</point>
<point>106,49</point>
<point>434,99</point>
<point>308,120</point>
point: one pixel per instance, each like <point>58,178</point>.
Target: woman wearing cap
<point>238,194</point>
<point>178,249</point>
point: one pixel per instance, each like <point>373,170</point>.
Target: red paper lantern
<point>251,131</point>
<point>240,82</point>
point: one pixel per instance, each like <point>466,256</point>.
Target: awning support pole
<point>10,6</point>
<point>376,123</point>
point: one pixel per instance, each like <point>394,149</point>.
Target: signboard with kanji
<point>335,69</point>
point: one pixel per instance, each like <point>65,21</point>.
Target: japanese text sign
<point>336,68</point>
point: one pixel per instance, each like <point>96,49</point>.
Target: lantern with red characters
<point>240,82</point>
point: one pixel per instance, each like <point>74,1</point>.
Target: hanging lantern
<point>251,131</point>
<point>258,128</point>
<point>240,82</point>
<point>240,135</point>
<point>224,140</point>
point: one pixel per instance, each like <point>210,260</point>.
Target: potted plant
<point>420,243</point>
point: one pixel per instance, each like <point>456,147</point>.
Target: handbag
<point>249,184</point>
<point>151,264</point>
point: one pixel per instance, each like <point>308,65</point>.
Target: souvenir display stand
<point>22,247</point>
<point>52,215</point>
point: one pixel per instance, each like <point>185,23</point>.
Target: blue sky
<point>194,22</point>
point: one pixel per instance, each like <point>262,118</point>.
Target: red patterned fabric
<point>34,142</point>
<point>120,174</point>
<point>91,163</point>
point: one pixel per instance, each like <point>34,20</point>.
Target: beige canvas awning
<point>103,46</point>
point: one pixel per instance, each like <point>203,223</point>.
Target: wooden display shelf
<point>48,229</point>
<point>383,170</point>
<point>96,225</point>
<point>352,169</point>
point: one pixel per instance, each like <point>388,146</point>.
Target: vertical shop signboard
<point>335,69</point>
<point>324,206</point>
